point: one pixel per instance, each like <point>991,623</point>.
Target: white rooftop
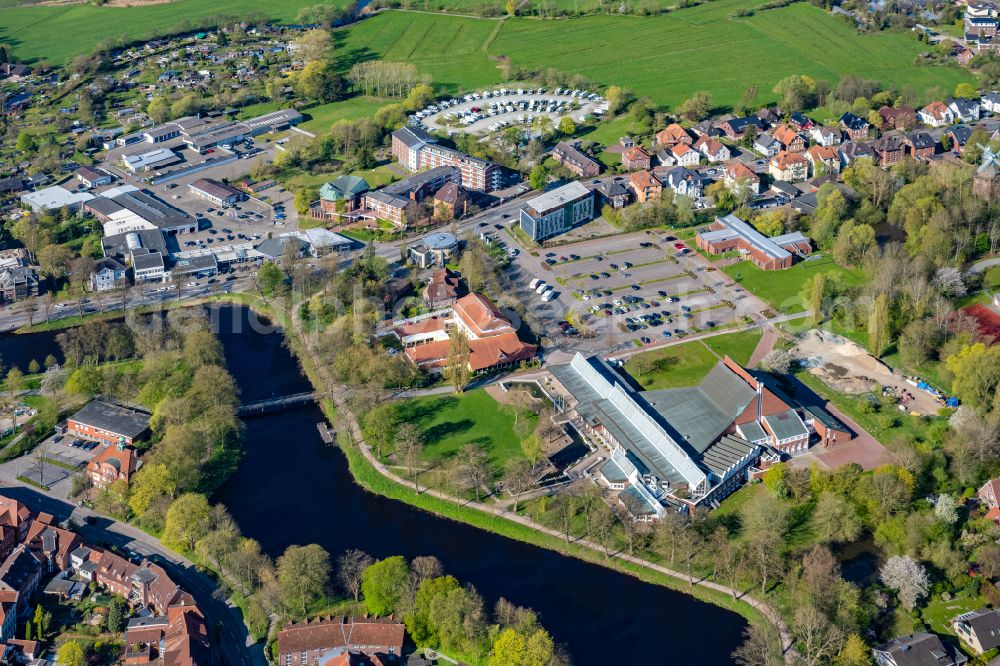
<point>55,197</point>
<point>556,198</point>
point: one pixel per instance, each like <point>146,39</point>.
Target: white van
<point>548,296</point>
<point>541,287</point>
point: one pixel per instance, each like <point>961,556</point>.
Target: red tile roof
<point>481,316</point>
<point>340,631</point>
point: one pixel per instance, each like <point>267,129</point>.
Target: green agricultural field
<point>58,32</point>
<point>664,57</point>
<point>782,289</point>
<point>450,422</point>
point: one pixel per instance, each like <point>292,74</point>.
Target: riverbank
<point>369,474</point>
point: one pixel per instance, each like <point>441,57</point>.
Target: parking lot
<point>490,110</point>
<point>635,289</point>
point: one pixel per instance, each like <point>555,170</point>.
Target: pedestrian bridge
<point>277,404</point>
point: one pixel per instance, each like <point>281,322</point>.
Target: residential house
<point>713,150</point>
<point>898,117</point>
<point>107,423</point>
<point>730,233</point>
<point>450,202</point>
<point>801,121</point>
<point>735,128</point>
<point>557,211</point>
<point>979,629</point>
<point>116,462</point>
<point>441,290</point>
<point>936,114</point>
<point>491,338</point>
<point>789,139</point>
<point>571,157</point>
<point>107,273</point>
<point>766,145</point>
<point>857,128</point>
<point>304,643</point>
<point>681,154</point>
<point>823,160</point>
<point>635,158</point>
<point>920,144</point>
<point>20,575</point>
<point>51,544</point>
<point>685,183</point>
<point>989,494</point>
<point>645,185</point>
<point>825,136</point>
<point>18,283</point>
<point>178,638</point>
<point>15,521</point>
<point>672,135</point>
<point>964,110</point>
<point>918,649</point>
<point>852,151</point>
<point>990,102</point>
<point>737,176</point>
<point>959,135</point>
<point>788,166</point>
<point>889,149</point>
<point>614,192</point>
<point>706,128</point>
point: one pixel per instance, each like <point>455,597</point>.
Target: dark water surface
<point>293,489</point>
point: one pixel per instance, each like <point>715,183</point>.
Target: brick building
<point>730,233</point>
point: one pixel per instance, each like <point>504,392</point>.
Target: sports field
<point>665,57</point>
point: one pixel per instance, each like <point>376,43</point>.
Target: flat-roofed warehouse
<point>107,422</point>
<point>216,192</point>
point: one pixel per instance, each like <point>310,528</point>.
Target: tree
<point>350,569</point>
<point>760,646</point>
<point>514,648</point>
<point>473,467</point>
<point>965,90</point>
<point>945,509</point>
<point>303,575</point>
<point>270,278</point>
<point>538,177</point>
<point>854,652</point>
<point>777,361</point>
<point>907,577</point>
<point>380,426</point>
<point>835,519</point>
<point>797,92</point>
<point>71,653</point>
<point>976,372</point>
<point>314,45</point>
<point>696,107</point>
<point>382,583</point>
<point>878,325</point>
<point>819,639</point>
<point>187,521</point>
<point>566,126</point>
<point>115,619</point>
<point>517,478</point>
<point>42,619</point>
<point>409,447</point>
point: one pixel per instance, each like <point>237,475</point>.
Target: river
<point>293,489</point>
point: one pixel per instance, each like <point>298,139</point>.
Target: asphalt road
<point>226,626</point>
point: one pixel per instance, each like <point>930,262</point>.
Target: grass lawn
<point>991,279</point>
<point>449,422</point>
<point>57,33</point>
<point>321,118</point>
<point>738,346</point>
<point>679,365</point>
<point>456,51</point>
<point>377,177</point>
<point>938,614</point>
<point>782,289</point>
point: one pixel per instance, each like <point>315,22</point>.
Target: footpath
<point>339,398</point>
